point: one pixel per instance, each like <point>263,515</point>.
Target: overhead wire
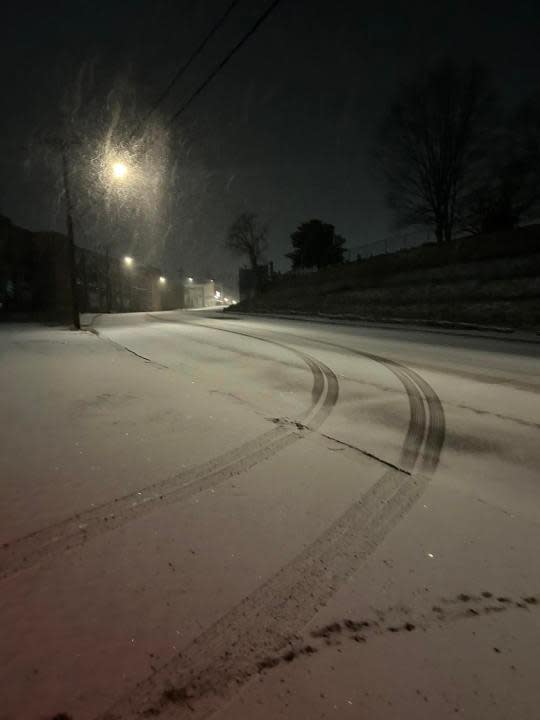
<point>183,68</point>
<point>260,20</point>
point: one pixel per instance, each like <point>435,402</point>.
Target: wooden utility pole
<point>108,289</point>
<point>71,242</point>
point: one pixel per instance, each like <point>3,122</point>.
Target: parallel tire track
<point>416,388</point>
<point>437,427</point>
<point>195,683</point>
<point>76,530</point>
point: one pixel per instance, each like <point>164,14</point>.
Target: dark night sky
<point>285,129</point>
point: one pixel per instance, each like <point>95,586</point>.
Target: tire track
<point>209,670</point>
<point>78,529</point>
<point>437,427</point>
<point>406,376</point>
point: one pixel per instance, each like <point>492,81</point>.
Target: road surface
<point>210,515</point>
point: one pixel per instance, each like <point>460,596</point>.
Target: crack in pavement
<point>365,453</point>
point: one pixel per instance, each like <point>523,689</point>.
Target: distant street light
<point>162,280</point>
<point>128,261</point>
<point>119,170</point>
<point>190,279</point>
<point>217,294</point>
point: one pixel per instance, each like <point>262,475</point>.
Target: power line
<point>225,60</point>
<point>198,50</point>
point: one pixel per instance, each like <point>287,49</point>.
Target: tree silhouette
<point>510,190</point>
<point>316,244</point>
<point>432,145</point>
<point>247,237</point>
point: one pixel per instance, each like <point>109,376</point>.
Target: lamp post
<point>71,241</point>
<point>128,263</point>
<point>119,170</point>
<point>108,289</point>
<point>62,145</point>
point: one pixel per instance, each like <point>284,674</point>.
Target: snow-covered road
<point>204,514</point>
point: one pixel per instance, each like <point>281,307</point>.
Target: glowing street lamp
<point>128,261</point>
<point>162,280</point>
<point>119,170</point>
<point>190,279</point>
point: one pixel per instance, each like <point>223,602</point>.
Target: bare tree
<point>247,237</point>
<point>510,192</point>
<point>432,145</point>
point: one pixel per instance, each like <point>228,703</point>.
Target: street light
<point>190,279</point>
<point>119,170</point>
<point>162,280</point>
<point>128,261</point>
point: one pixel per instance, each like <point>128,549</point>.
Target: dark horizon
<point>284,131</point>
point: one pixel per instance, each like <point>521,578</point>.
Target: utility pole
<point>71,241</point>
<point>108,289</point>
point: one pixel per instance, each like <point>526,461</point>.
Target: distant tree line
<point>315,243</point>
<point>453,160</point>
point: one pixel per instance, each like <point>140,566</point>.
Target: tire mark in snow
<point>223,657</point>
<point>76,530</point>
<point>417,389</point>
<point>226,655</point>
<point>437,427</point>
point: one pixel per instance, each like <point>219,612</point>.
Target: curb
<point>504,334</point>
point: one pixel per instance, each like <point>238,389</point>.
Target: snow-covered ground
<point>260,518</point>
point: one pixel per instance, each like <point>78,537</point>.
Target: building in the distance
<point>34,274</point>
<point>35,279</point>
<point>199,295</point>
